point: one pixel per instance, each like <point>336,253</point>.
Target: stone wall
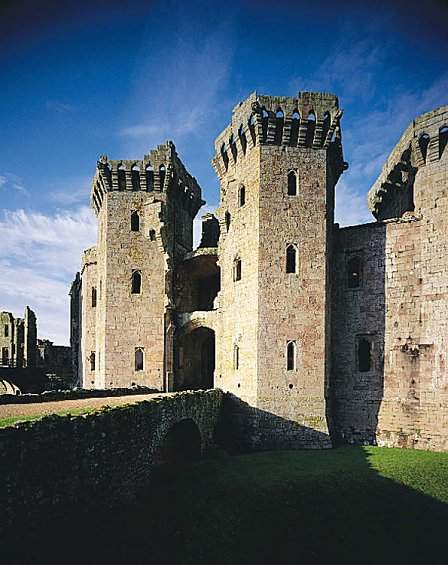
<point>101,458</point>
<point>401,307</point>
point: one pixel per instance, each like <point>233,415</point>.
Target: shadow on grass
<point>347,505</point>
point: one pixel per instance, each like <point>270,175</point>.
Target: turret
<point>278,162</point>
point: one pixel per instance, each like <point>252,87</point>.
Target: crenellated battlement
<point>160,172</point>
<point>424,142</point>
<point>312,120</point>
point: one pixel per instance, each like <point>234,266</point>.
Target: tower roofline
<point>310,120</point>
<point>417,146</point>
<point>158,171</point>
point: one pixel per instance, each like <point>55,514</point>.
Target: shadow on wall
<point>244,428</point>
<point>356,386</point>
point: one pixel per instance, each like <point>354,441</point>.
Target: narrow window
<point>354,268</point>
<point>136,286</point>
<point>310,128</point>
<point>149,177</point>
<point>242,195</point>
<point>5,355</point>
<point>6,331</point>
<point>279,123</point>
<point>139,357</point>
<point>233,148</point>
<point>291,259</point>
<point>236,357</point>
<point>225,157</point>
<point>135,221</point>
<point>121,177</point>
<point>227,218</point>
<point>243,139</point>
<point>291,356</point>
<point>237,270</point>
<point>92,361</point>
<point>443,140</point>
<point>295,128</point>
<point>264,123</point>
<point>152,235</point>
<point>162,174</point>
<point>423,142</point>
<point>364,355</point>
<point>135,177</point>
<point>292,183</point>
<point>93,296</point>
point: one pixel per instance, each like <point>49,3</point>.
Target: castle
<point>328,334</point>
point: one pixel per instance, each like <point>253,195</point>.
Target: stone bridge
<point>106,456</point>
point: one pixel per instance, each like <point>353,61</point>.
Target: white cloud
<point>39,257</point>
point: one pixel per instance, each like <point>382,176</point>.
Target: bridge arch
<point>182,443</point>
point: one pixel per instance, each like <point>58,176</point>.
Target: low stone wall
<point>100,458</point>
<point>51,395</point>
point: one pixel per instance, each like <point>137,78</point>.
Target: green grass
<point>12,420</point>
<point>347,505</point>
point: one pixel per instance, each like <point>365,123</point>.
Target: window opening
<point>242,195</point>
<point>139,359</point>
<point>237,270</point>
<point>135,221</point>
<point>354,272</point>
<point>291,356</point>
<point>291,259</point>
<point>364,355</point>
<point>236,357</point>
<point>136,282</point>
<point>292,183</point>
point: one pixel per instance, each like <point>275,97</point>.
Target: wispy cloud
<point>71,192</point>
<point>38,258</point>
<point>180,95</point>
<point>376,118</point>
<point>11,181</point>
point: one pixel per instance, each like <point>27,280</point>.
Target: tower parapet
<point>310,120</point>
<point>159,172</point>
<point>424,142</point>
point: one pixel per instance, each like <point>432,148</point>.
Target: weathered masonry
<point>322,333</point>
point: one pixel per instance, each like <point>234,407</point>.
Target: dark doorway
<point>196,360</point>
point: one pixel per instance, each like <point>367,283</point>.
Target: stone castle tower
<point>317,332</point>
<point>278,163</point>
<point>145,213</point>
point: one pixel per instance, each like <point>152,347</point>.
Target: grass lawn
<point>348,505</point>
<point>11,420</point>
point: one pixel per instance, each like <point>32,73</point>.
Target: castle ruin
<point>325,334</point>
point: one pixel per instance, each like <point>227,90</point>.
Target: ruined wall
<point>89,281</point>
<point>100,458</point>
<point>402,305</point>
<point>6,337</point>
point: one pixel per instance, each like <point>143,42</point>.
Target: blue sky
<point>79,79</point>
